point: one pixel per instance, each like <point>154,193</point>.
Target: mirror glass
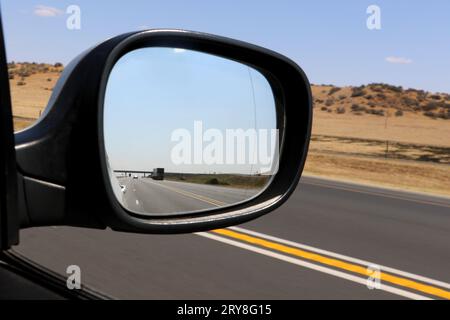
<point>186,131</point>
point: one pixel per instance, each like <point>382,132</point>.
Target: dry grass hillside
<point>31,87</point>
<point>382,112</point>
<point>377,133</point>
<point>382,134</point>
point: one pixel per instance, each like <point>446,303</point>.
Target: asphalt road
<point>316,246</point>
<point>165,197</point>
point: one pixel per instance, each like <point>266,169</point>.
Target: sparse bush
<point>340,110</point>
<point>24,74</point>
<point>435,97</point>
<point>357,108</point>
<point>324,108</point>
<point>422,95</point>
<point>11,76</point>
<point>49,79</point>
<point>377,89</point>
<point>58,65</point>
<point>329,102</point>
<point>376,112</point>
<point>381,95</point>
<point>21,83</point>
<point>446,115</point>
<point>398,89</point>
<point>430,106</point>
<point>334,90</point>
<point>399,113</point>
<point>342,97</point>
<point>441,111</point>
<point>430,114</point>
<point>213,181</point>
<point>358,92</point>
<point>386,86</point>
<point>369,97</point>
<point>319,101</point>
<point>409,102</point>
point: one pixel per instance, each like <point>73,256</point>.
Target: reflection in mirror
<point>186,131</point>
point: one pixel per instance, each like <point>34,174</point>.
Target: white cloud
<point>179,50</point>
<point>44,11</point>
<point>398,60</point>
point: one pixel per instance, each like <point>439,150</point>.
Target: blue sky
<point>152,92</point>
<point>328,39</point>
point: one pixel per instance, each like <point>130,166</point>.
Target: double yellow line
<point>311,256</point>
<point>335,263</point>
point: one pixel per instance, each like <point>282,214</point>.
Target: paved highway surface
<point>318,245</point>
<point>164,197</point>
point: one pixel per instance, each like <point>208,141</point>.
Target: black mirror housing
<point>63,175</point>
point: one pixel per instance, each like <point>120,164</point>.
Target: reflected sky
<point>152,92</point>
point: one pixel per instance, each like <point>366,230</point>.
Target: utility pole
<point>386,120</point>
<point>385,128</point>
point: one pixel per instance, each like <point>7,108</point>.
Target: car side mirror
<point>166,131</point>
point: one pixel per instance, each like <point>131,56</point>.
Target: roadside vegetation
<point>227,180</point>
<point>380,99</point>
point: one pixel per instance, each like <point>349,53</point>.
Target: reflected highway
<point>145,195</point>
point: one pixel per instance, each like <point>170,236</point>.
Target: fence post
<point>387,149</point>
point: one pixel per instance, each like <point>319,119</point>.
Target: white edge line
<point>382,193</point>
<point>324,181</point>
<point>343,257</point>
<point>315,267</point>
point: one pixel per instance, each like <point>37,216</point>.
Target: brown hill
<point>380,99</point>
<point>413,115</point>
